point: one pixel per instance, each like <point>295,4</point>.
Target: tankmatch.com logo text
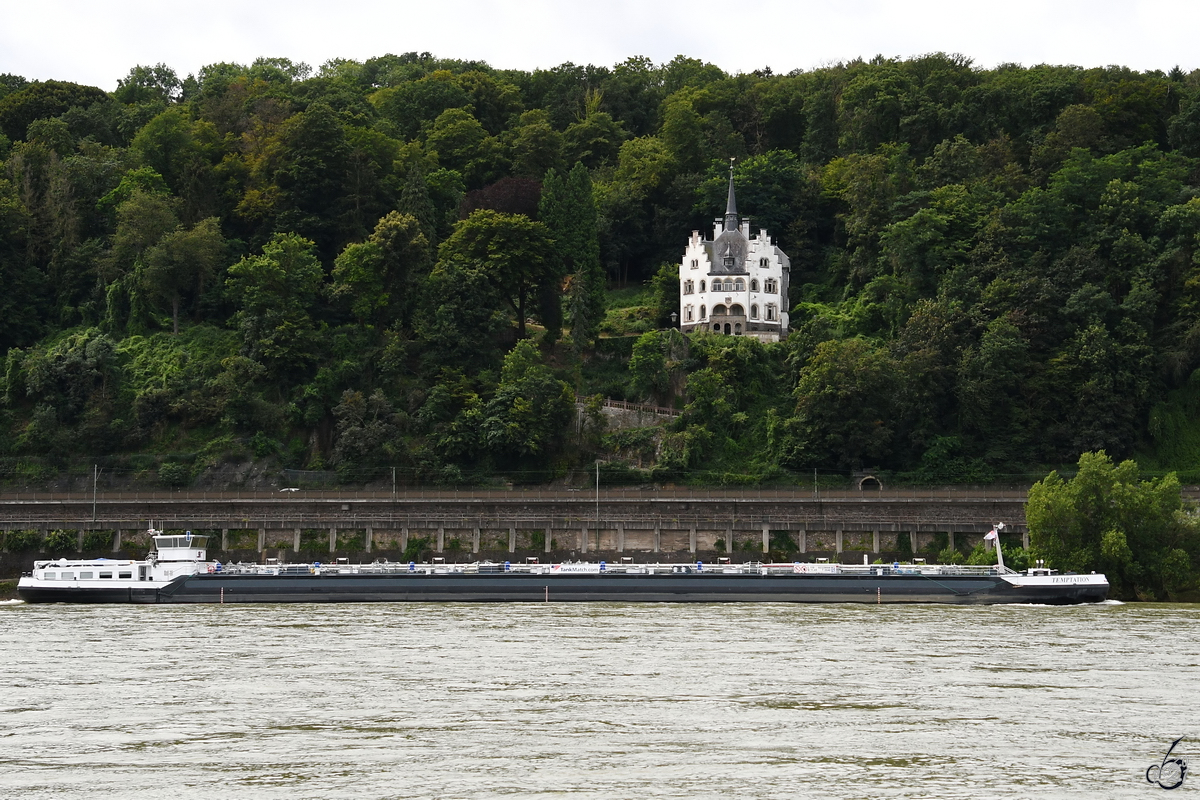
<point>1170,772</point>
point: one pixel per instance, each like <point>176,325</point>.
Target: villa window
<point>771,313</point>
<point>753,312</point>
<point>753,285</point>
<point>770,286</point>
<point>701,287</point>
<point>689,313</point>
<point>695,263</point>
<point>764,262</point>
<point>739,285</point>
<point>688,287</point>
<point>703,312</point>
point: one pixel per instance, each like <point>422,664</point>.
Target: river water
<point>594,700</point>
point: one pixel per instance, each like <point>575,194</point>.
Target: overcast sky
<point>97,43</point>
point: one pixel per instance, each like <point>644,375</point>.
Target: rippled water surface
<point>593,701</point>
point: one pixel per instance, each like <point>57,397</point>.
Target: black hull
<point>525,588</point>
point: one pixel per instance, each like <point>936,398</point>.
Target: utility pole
<point>597,498</point>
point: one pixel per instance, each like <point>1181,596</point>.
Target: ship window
<point>85,575</point>
<point>68,576</point>
<point>126,575</point>
<point>48,576</point>
<point>105,574</point>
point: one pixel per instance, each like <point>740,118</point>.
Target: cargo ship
<point>178,571</point>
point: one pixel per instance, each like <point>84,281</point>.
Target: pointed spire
<point>731,214</point>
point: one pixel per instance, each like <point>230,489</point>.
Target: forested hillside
<point>419,264</point>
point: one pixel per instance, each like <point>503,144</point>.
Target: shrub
<point>97,540</point>
<point>174,475</point>
<point>949,555</point>
<point>60,541</point>
<point>21,541</point>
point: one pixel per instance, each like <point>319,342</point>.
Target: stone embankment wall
<point>646,524</point>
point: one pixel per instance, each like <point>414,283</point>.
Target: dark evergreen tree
<point>568,209</point>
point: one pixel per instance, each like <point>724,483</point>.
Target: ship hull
<point>612,587</point>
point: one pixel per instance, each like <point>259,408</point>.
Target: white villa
<point>736,283</point>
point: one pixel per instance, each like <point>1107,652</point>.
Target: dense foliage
<point>1108,519</point>
<point>402,263</point>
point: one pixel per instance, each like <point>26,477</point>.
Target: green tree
<point>568,209</point>
<point>183,259</point>
<point>515,253</point>
<point>376,275</point>
<point>275,293</point>
<point>844,406</point>
<point>527,418</point>
<point>1107,518</point>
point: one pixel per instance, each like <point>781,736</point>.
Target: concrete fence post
<point>117,541</point>
<point>549,537</point>
<point>766,538</point>
<point>333,540</point>
<point>692,540</point>
<point>224,539</point>
<point>475,541</point>
<point>620,537</point>
<point>262,539</point>
<point>512,540</point>
<point>837,540</point>
<point>441,539</point>
<point>875,541</point>
<point>369,538</point>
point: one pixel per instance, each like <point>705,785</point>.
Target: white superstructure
<point>174,555</point>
